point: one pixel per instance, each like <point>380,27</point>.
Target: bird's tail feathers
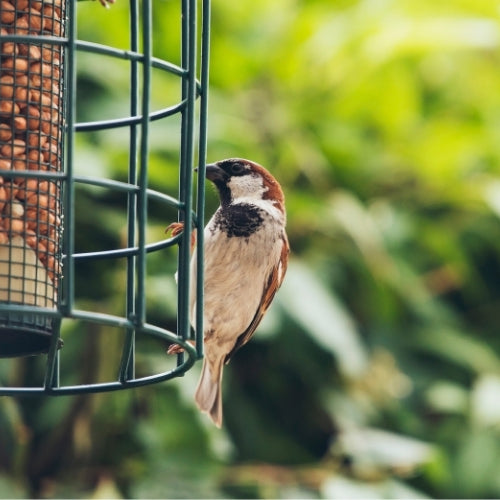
<point>208,395</point>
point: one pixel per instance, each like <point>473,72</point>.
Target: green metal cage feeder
<point>38,62</point>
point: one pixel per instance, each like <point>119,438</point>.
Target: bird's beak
<point>215,173</point>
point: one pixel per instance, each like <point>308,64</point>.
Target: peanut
<point>36,140</point>
<point>36,20</point>
<point>22,26</point>
<point>52,55</point>
<point>33,115</point>
<point>46,187</point>
<point>10,190</point>
<point>21,96</point>
<point>15,65</point>
<point>3,236</point>
<point>21,192</point>
<point>32,185</point>
<point>41,251</point>
<point>31,216</point>
<point>7,12</point>
<point>3,198</point>
<point>31,202</point>
<point>16,148</point>
<point>37,4</point>
<point>51,246</point>
<point>41,69</point>
<point>21,80</point>
<point>52,20</point>
<point>22,4</point>
<point>9,49</point>
<point>42,230</point>
<point>16,209</point>
<point>46,123</point>
<point>31,239</point>
<point>38,81</point>
<point>53,267</point>
<point>8,108</point>
<point>19,123</point>
<point>6,86</point>
<point>5,132</point>
<point>44,98</point>
<point>49,151</point>
<point>4,165</point>
<point>43,202</point>
<point>35,156</point>
<point>33,52</point>
<point>19,164</point>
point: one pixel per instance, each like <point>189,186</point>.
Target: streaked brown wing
<point>273,283</point>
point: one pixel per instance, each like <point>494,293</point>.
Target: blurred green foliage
<point>377,371</point>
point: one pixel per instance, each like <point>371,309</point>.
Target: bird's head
<point>239,179</point>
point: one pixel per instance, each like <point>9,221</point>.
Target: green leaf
<point>485,400</point>
<point>453,345</point>
<point>317,310</point>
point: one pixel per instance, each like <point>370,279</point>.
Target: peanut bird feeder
<point>38,126</point>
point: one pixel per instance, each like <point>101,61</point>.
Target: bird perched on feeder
<point>245,259</point>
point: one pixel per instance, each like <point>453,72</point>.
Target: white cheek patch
<point>247,186</point>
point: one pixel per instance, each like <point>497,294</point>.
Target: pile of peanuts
<point>31,124</point>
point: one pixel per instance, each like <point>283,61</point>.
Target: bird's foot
<point>176,228</point>
<point>178,349</point>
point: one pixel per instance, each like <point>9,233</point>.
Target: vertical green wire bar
<point>67,300</point>
<point>186,163</point>
<point>52,376</point>
<point>142,205</point>
<point>202,154</point>
<point>127,365</point>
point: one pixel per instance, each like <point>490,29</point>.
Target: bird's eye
<point>237,168</point>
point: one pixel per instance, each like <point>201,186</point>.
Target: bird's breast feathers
<point>241,252</point>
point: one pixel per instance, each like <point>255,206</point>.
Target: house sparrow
<point>246,255</point>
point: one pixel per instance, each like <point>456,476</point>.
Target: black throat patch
<point>239,220</point>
